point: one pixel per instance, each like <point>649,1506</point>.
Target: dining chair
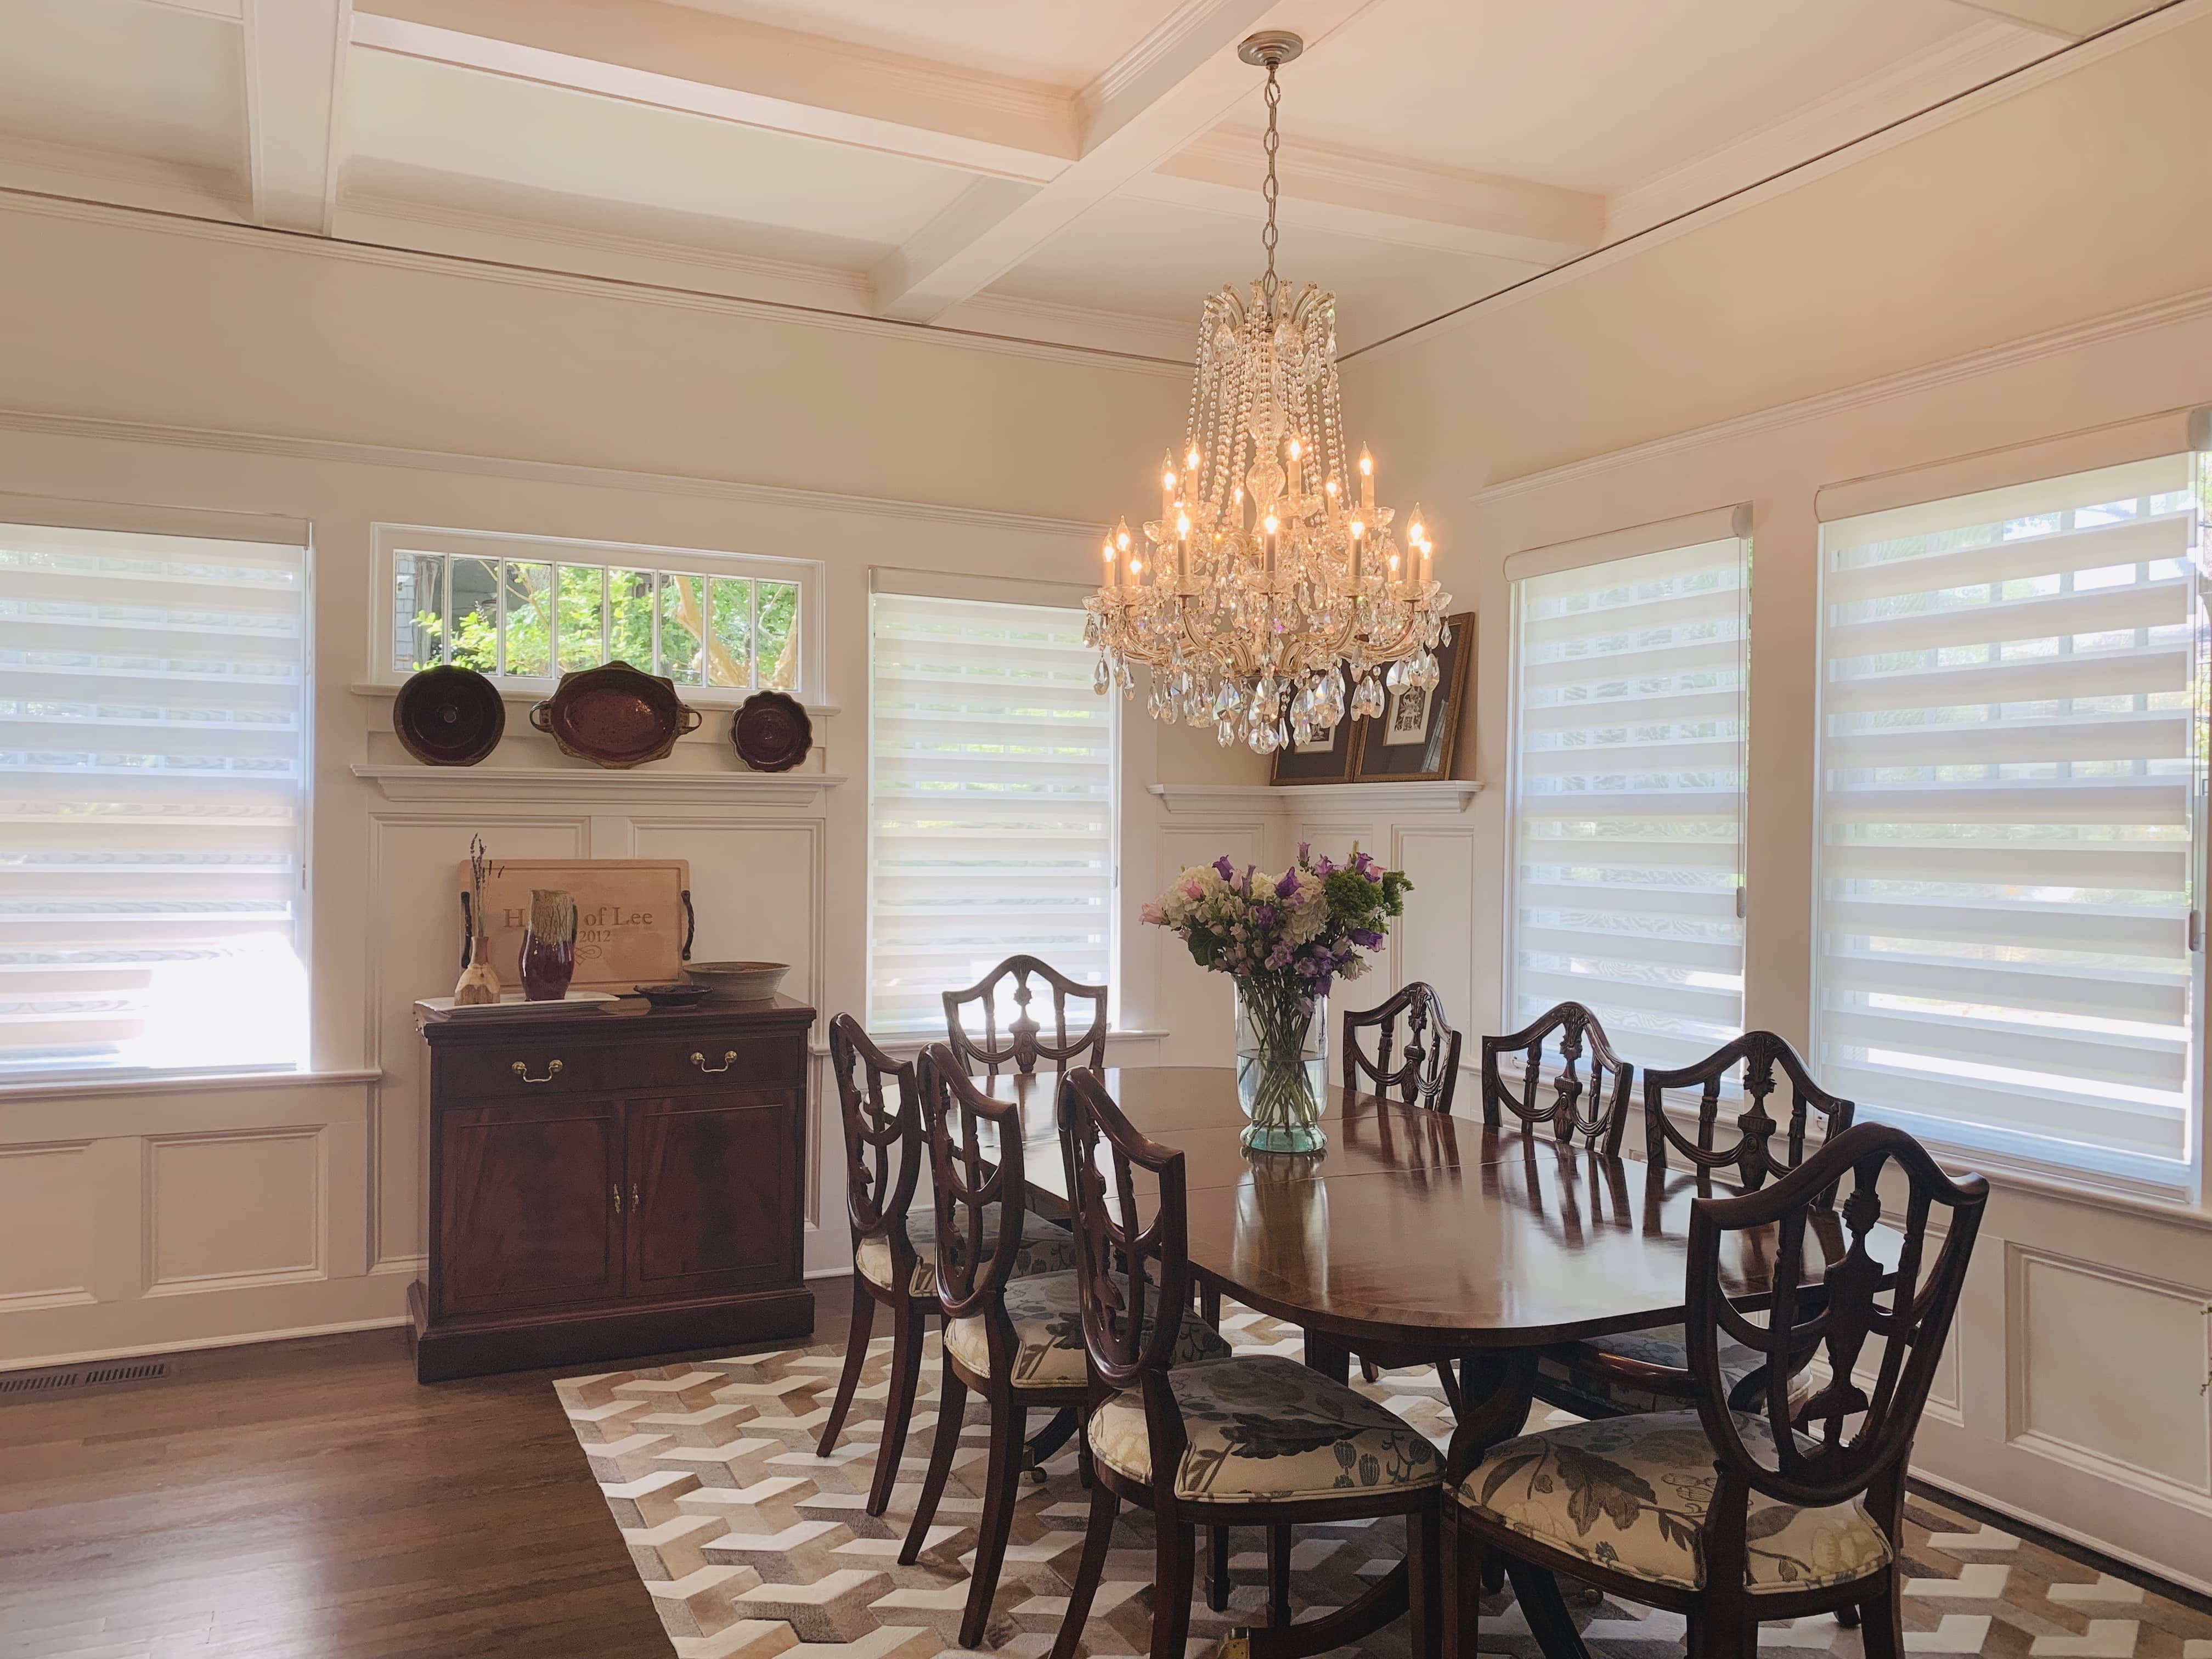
<point>894,1252</point>
<point>1427,1072</point>
<point>1253,1440</point>
<point>1634,1372</point>
<point>1017,1342</point>
<point>1735,1514</point>
<point>1024,1044</point>
<point>1593,1112</point>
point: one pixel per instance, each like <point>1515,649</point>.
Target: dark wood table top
<point>1413,1228</point>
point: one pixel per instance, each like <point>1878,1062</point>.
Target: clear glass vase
<point>1282,1065</point>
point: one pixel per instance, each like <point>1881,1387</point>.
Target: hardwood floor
<point>310,1499</point>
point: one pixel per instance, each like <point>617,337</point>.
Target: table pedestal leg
<point>1329,1357</point>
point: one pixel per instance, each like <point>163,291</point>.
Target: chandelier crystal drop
<point>1270,598</point>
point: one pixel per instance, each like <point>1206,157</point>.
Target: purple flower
<point>1367,937</point>
<point>1324,865</point>
<point>1306,970</point>
<point>1280,957</point>
<point>1228,870</point>
<point>1263,916</point>
<point>1287,888</point>
<point>1321,987</point>
<point>1305,854</point>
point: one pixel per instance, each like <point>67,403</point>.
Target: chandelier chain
<point>1271,190</point>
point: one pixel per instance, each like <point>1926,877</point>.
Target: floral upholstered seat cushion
<point>1046,1312</point>
<point>1046,1248</point>
<point>1585,1390</point>
<point>1631,1493</point>
<point>1264,1428</point>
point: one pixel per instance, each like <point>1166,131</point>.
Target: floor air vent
<point>80,1377</point>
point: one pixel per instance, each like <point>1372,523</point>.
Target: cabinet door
<point>529,1200</point>
<point>716,1194</point>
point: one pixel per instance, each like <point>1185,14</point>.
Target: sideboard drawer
<point>529,1067</point>
<point>741,1058</point>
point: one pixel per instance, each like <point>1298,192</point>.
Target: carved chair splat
<point>1427,1072</point>
<point>1024,1043</point>
<point>1593,1112</point>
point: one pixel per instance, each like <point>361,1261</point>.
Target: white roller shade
<point>2007,812</point>
<point>153,737</point>
<point>991,801</point>
<point>1628,797</point>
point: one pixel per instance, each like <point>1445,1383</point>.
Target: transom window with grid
<point>528,610</point>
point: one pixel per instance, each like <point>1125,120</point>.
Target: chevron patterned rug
<point>752,1547</point>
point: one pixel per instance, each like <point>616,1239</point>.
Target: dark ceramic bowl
<point>674,996</point>
<point>771,732</point>
<point>615,715</point>
<point>448,716</point>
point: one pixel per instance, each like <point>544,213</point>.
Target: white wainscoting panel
<point>45,1191</point>
<point>232,1210</point>
<point>1434,940</point>
<point>2107,1369</point>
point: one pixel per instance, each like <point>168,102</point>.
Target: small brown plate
<point>448,716</point>
<point>674,996</point>
<point>771,731</point>
<point>615,716</point>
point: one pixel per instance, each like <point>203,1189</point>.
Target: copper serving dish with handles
<point>615,715</point>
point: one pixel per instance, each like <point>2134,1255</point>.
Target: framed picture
<point>1319,763</point>
<point>1413,739</point>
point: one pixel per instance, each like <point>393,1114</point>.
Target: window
<point>527,611</point>
<point>1628,779</point>
<point>2009,764</point>
<point>991,801</point>
<point>154,689</point>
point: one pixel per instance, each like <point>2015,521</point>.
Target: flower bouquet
<point>1284,941</point>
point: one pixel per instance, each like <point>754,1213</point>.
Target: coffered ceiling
<point>1079,171</point>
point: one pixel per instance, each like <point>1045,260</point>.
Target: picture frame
<point>1329,763</point>
<point>1416,737</point>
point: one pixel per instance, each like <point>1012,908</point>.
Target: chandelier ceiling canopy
<point>1271,596</point>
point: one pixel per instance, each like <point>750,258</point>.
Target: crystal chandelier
<point>1270,597</point>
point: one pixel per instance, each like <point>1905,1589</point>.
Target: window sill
<point>89,1085</point>
<point>527,697</point>
<point>660,786</point>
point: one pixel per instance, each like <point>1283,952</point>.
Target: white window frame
<point>1996,1148</point>
<point>1692,530</point>
<point>808,575</point>
<point>888,583</point>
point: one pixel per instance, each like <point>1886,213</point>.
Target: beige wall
<point>2041,267</point>
<point>232,371</point>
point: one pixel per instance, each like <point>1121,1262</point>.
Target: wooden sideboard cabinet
<point>602,1186</point>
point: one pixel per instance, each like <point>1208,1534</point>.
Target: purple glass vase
<point>549,946</point>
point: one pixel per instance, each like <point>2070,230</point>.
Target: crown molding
<point>2160,313</point>
<point>228,11</point>
<point>1970,59</point>
<point>2044,69</point>
<point>345,452</point>
<point>40,167</point>
<point>179,221</point>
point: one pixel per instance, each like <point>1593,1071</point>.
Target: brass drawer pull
<point>552,1071</point>
<point>618,1191</point>
<point>729,1058</point>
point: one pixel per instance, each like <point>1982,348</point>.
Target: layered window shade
<point>2009,764</point>
<point>1628,797</point>
<point>991,802</point>
<point>153,739</point>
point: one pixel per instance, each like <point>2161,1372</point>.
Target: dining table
<point>1421,1231</point>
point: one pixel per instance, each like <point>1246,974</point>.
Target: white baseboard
<point>190,1345</point>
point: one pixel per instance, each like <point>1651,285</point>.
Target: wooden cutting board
<point>633,916</point>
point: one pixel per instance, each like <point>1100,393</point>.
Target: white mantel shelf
<point>638,786</point>
<point>1448,795</point>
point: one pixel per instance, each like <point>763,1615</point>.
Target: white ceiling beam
<point>1328,188</point>
<point>1151,103</point>
<point>682,58</point>
<point>231,11</point>
<point>294,64</point>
